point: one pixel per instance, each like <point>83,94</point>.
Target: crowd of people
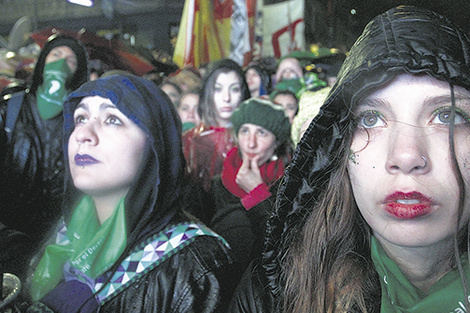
<point>341,186</point>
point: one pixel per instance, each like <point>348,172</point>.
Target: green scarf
<point>52,93</point>
<point>91,248</point>
<point>399,295</point>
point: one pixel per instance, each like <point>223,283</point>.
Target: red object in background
<point>5,81</point>
<point>111,52</point>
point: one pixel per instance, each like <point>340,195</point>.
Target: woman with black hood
<point>31,157</point>
<point>124,243</point>
<point>244,193</point>
<point>373,213</point>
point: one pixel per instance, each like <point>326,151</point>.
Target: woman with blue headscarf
<point>125,243</point>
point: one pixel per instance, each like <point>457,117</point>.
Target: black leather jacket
<point>242,228</point>
<point>252,294</point>
<point>196,279</point>
<point>32,171</point>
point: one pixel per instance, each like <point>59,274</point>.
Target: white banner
<point>282,27</point>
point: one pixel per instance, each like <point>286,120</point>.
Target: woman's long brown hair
<point>326,268</point>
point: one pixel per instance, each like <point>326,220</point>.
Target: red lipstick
<point>407,205</point>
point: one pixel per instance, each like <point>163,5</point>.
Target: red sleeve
<point>256,196</point>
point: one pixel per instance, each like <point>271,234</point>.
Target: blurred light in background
<point>86,3</point>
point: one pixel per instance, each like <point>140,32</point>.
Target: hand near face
<point>249,176</point>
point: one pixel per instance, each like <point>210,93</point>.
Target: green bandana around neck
<point>399,295</point>
<point>91,248</point>
<point>52,93</point>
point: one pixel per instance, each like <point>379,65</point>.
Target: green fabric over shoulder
<point>90,247</point>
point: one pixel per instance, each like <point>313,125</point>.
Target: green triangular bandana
<point>52,93</point>
<point>91,248</point>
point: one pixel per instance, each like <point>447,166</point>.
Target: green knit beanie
<point>264,113</point>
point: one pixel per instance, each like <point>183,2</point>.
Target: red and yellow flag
<point>215,29</point>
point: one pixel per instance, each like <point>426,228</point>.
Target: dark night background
<point>331,23</point>
<point>152,22</point>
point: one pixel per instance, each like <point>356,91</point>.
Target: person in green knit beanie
<point>243,194</point>
<point>288,92</point>
<point>263,113</point>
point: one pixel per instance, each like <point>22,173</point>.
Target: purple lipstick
<point>84,160</point>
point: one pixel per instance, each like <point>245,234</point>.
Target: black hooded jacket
<point>32,168</point>
<point>194,279</point>
<point>403,39</point>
